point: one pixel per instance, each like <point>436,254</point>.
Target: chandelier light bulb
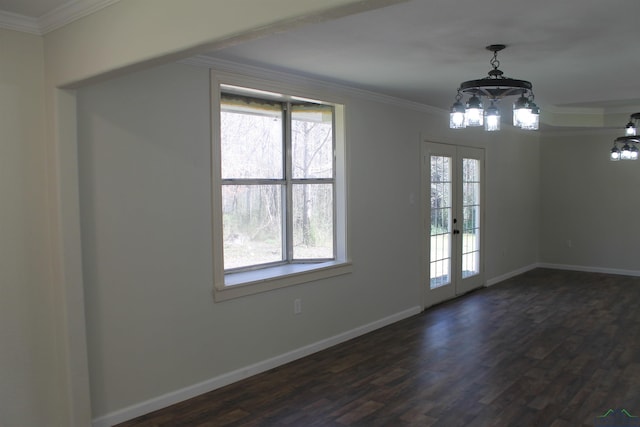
<point>524,118</point>
<point>492,118</point>
<point>615,153</point>
<point>456,116</point>
<point>630,129</point>
<point>520,109</point>
<point>531,119</point>
<point>474,112</point>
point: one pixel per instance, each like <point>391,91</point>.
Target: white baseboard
<point>589,269</point>
<point>225,379</point>
<point>509,275</point>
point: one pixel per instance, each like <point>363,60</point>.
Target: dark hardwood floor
<point>546,348</point>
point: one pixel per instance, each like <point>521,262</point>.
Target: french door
<point>452,187</point>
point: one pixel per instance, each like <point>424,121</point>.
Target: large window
<point>279,191</point>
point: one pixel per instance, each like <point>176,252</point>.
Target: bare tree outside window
<point>312,153</point>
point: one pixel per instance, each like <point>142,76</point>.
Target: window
<point>279,190</point>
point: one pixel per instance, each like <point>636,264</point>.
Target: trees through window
<point>277,171</point>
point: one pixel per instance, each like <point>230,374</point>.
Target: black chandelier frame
<point>496,85</point>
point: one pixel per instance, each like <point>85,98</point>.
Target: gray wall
<point>589,201</point>
<point>513,202</point>
<point>152,325</point>
<point>28,389</point>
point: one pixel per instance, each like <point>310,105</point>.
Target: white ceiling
<point>577,53</point>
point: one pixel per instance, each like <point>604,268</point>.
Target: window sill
<point>251,282</point>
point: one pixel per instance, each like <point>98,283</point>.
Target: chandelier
<point>494,87</point>
<point>625,147</point>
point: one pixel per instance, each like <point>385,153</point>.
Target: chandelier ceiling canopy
<point>494,88</point>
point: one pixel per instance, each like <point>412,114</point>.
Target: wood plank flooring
<point>546,348</point>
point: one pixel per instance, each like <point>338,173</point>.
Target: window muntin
<point>278,182</point>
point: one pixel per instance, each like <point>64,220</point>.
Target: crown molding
<point>605,133</point>
<point>25,24</point>
<point>269,74</point>
<point>57,18</point>
<point>70,12</point>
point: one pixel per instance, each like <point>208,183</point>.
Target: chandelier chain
<point>494,61</point>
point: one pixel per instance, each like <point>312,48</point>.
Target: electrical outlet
<point>297,306</point>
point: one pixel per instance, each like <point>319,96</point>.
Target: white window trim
<point>239,284</point>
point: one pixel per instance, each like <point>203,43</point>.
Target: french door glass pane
<point>312,221</point>
<point>440,256</point>
<point>252,225</point>
<point>471,217</point>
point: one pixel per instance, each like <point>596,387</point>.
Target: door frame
<point>458,285</point>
